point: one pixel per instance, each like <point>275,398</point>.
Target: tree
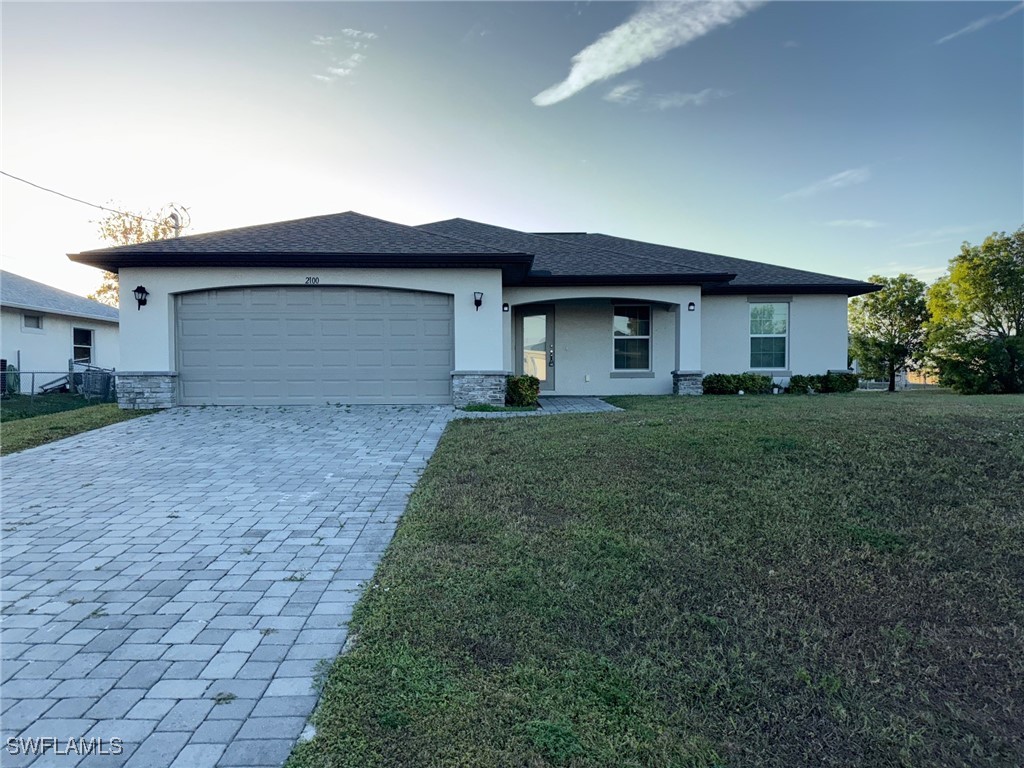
<point>132,229</point>
<point>978,314</point>
<point>888,327</point>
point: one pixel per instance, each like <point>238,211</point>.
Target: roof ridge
<point>617,252</point>
<point>718,256</point>
<point>424,228</point>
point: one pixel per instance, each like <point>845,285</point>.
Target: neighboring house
<point>352,309</point>
<point>44,328</point>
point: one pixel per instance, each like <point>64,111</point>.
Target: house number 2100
<point>312,281</point>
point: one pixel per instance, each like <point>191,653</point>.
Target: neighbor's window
<point>82,352</point>
<point>632,338</point>
<point>33,321</point>
<point>769,329</point>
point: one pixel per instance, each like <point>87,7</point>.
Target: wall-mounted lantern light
<point>505,307</point>
<point>140,295</point>
<point>692,306</point>
<point>478,300</point>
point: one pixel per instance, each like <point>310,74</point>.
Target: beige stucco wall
<point>147,335</point>
<point>714,338</point>
<point>49,349</point>
<point>593,355</point>
<point>584,358</point>
<point>817,334</point>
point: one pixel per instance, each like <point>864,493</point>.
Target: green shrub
<point>833,381</point>
<point>801,385</point>
<point>733,383</point>
<point>719,384</point>
<point>522,390</point>
<point>839,381</point>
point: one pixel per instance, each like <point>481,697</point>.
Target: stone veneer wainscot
<point>144,390</point>
<point>687,382</point>
<point>478,388</point>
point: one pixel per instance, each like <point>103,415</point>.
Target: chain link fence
<point>88,381</point>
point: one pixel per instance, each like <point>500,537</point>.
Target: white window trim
<point>91,345</point>
<point>751,335</point>
<point>29,329</point>
<point>650,341</point>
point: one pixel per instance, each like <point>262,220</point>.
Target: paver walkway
<point>173,581</point>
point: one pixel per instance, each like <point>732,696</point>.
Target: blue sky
<point>840,137</point>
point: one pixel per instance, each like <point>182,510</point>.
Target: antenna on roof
<point>178,220</point>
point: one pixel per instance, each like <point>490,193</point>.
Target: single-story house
<point>43,329</point>
<point>347,308</point>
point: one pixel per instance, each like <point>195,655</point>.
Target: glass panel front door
<point>537,345</point>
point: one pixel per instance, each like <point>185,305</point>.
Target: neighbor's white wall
<point>50,348</point>
<point>817,334</point>
<point>147,335</point>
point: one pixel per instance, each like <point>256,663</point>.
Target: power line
<point>77,200</point>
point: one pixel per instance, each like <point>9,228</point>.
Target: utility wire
<point>83,202</point>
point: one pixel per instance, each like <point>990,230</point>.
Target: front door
<point>536,344</point>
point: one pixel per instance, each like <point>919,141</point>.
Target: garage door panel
<point>400,358</point>
<point>404,387</point>
<point>369,297</point>
<point>340,328</point>
<point>441,328</point>
<point>294,345</point>
<point>337,297</point>
<point>435,358</point>
<point>263,327</point>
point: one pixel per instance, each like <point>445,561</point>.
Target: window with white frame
<point>82,350</point>
<point>35,322</point>
<point>631,331</point>
<point>769,335</point>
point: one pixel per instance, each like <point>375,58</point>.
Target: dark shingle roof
<point>19,292</point>
<point>750,275</point>
<point>336,233</point>
<point>337,240</point>
<point>612,257</point>
<point>351,239</point>
<point>564,259</point>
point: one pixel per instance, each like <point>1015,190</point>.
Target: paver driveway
<point>172,581</point>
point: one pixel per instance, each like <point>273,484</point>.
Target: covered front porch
<point>610,341</point>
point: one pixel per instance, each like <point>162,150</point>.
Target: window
<point>33,321</point>
<point>769,329</point>
<point>632,338</point>
<point>82,352</point>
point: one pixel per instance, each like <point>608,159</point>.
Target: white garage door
<point>293,345</point>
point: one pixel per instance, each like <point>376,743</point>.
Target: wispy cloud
<point>836,181</point>
<point>342,52</point>
<point>676,99</point>
<point>633,92</point>
<point>981,23</point>
<point>939,236</point>
<point>926,272</point>
<point>855,223</point>
<point>654,30</point>
<point>626,93</point>
<point>791,44</point>
<point>359,34</point>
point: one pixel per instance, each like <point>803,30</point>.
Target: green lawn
<point>25,407</point>
<point>762,581</point>
<point>19,433</point>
